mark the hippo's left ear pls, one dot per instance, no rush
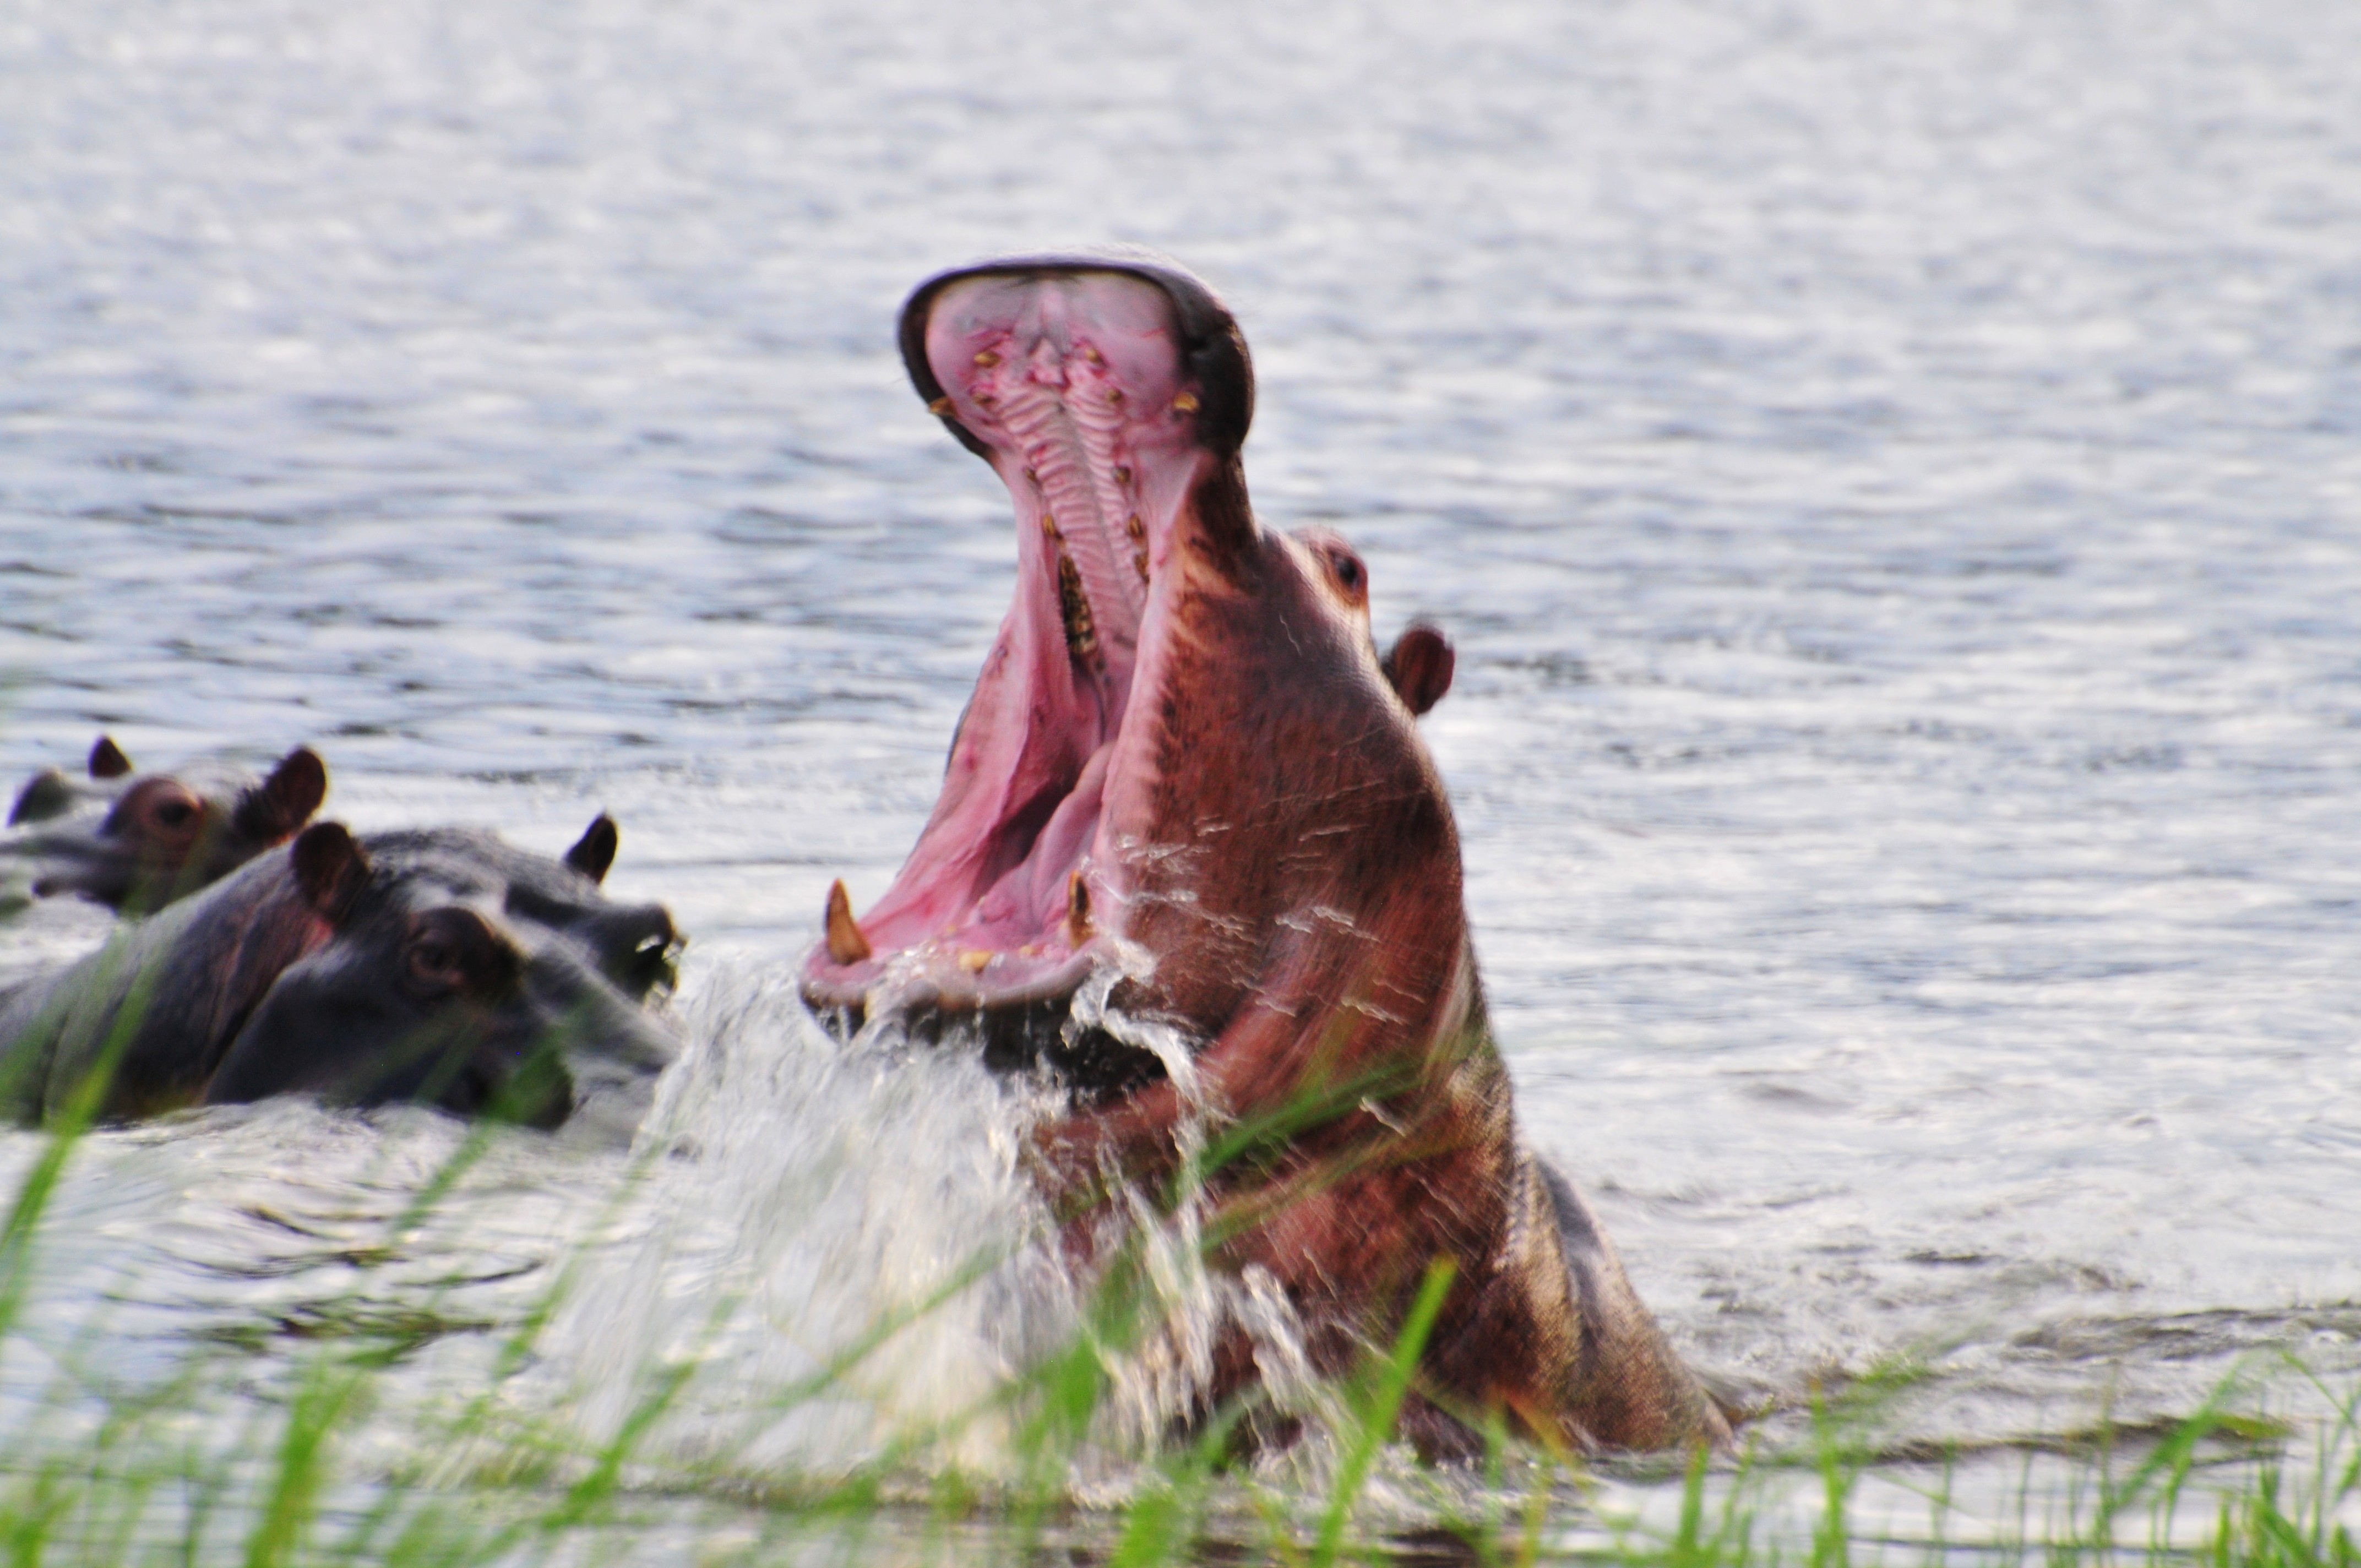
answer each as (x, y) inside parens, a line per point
(1419, 666)
(106, 758)
(272, 810)
(330, 867)
(594, 850)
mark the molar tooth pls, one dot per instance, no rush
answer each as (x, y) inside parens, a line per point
(1123, 474)
(1139, 559)
(846, 945)
(1133, 526)
(1050, 527)
(1185, 403)
(1114, 394)
(1078, 909)
(1092, 354)
(973, 961)
(941, 407)
(1081, 635)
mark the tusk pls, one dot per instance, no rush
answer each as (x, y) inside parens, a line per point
(846, 945)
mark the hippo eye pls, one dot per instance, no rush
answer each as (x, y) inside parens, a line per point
(435, 962)
(1351, 575)
(175, 813)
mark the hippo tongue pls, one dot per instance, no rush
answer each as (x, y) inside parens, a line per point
(1092, 389)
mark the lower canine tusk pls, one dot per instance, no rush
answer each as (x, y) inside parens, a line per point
(846, 945)
(1077, 910)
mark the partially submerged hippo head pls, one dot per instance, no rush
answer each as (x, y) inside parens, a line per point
(1187, 771)
(442, 967)
(53, 793)
(634, 945)
(137, 841)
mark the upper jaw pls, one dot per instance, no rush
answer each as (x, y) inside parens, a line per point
(1103, 393)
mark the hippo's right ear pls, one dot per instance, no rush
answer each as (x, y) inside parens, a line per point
(107, 760)
(1419, 666)
(330, 867)
(594, 850)
(270, 811)
(46, 795)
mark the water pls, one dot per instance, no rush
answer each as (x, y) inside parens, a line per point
(1892, 473)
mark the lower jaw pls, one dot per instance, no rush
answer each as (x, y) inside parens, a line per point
(1015, 1036)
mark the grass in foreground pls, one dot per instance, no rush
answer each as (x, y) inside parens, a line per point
(211, 1464)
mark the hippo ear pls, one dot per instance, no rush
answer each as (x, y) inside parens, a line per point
(272, 810)
(1420, 667)
(46, 795)
(330, 867)
(594, 850)
(107, 760)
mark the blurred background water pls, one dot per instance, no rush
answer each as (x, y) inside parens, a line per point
(1892, 473)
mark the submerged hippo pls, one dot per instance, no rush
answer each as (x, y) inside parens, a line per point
(137, 841)
(1185, 763)
(53, 793)
(441, 967)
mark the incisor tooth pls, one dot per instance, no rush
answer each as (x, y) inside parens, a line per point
(1185, 403)
(846, 945)
(973, 961)
(987, 359)
(941, 407)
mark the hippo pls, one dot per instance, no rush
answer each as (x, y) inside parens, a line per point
(137, 841)
(439, 966)
(51, 793)
(1187, 772)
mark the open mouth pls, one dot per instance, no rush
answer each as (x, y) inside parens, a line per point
(1103, 392)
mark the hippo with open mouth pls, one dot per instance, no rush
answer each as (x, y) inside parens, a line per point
(1186, 771)
(137, 841)
(440, 966)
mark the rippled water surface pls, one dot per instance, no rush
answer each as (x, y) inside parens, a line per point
(1892, 473)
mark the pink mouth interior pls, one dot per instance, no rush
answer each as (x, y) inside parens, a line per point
(1072, 379)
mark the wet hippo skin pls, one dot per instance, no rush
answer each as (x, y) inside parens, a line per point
(137, 841)
(442, 967)
(1186, 762)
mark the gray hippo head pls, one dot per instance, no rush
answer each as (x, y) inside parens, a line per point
(439, 985)
(443, 968)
